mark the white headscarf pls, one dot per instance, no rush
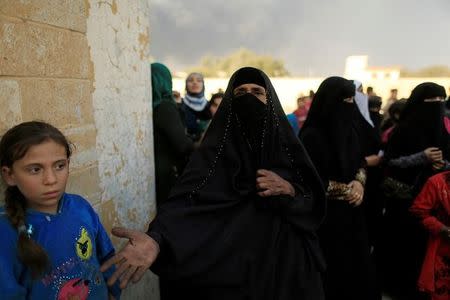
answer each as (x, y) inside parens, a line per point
(362, 101)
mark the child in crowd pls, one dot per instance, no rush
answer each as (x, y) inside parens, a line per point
(53, 243)
(432, 206)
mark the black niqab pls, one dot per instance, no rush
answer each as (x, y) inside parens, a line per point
(421, 124)
(214, 231)
(331, 125)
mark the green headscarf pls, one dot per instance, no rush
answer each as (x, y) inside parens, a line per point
(161, 84)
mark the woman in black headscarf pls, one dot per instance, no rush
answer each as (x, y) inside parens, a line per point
(241, 222)
(417, 149)
(330, 136)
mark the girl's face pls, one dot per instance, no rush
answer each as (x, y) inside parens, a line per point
(194, 84)
(41, 175)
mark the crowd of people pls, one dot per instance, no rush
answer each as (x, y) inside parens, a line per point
(340, 199)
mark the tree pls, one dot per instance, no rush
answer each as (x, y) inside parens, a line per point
(432, 71)
(212, 66)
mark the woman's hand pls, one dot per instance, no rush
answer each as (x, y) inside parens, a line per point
(434, 155)
(134, 259)
(269, 183)
(356, 195)
(373, 160)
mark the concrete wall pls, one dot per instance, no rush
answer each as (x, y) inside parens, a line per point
(82, 65)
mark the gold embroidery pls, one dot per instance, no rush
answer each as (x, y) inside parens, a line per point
(361, 176)
(338, 190)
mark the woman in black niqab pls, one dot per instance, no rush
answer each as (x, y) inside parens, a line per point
(330, 135)
(417, 149)
(221, 234)
(421, 123)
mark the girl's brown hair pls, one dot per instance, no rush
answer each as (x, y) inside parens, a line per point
(13, 146)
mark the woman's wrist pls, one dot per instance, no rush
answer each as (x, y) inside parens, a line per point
(361, 176)
(290, 190)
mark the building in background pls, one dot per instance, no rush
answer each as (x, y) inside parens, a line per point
(357, 67)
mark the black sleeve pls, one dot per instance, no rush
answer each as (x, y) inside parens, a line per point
(205, 114)
(167, 119)
(316, 148)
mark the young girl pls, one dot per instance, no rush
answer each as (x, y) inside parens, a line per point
(432, 206)
(52, 242)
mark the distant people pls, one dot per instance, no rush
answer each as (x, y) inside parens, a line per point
(388, 125)
(391, 100)
(369, 135)
(447, 115)
(362, 102)
(418, 147)
(432, 208)
(298, 117)
(303, 106)
(241, 222)
(214, 102)
(331, 139)
(311, 94)
(292, 119)
(375, 104)
(370, 141)
(172, 146)
(195, 107)
(179, 103)
(370, 91)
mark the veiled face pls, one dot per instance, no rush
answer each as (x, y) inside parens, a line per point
(349, 99)
(251, 88)
(434, 99)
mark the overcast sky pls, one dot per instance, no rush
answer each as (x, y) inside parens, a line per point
(311, 36)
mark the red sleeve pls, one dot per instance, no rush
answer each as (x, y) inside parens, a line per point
(425, 203)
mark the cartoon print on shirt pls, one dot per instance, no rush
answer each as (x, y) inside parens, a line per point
(76, 288)
(84, 245)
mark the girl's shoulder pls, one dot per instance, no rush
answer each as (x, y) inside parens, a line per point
(76, 201)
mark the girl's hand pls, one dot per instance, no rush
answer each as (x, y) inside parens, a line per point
(133, 260)
(434, 154)
(269, 183)
(356, 195)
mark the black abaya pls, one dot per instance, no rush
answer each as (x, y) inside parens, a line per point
(218, 238)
